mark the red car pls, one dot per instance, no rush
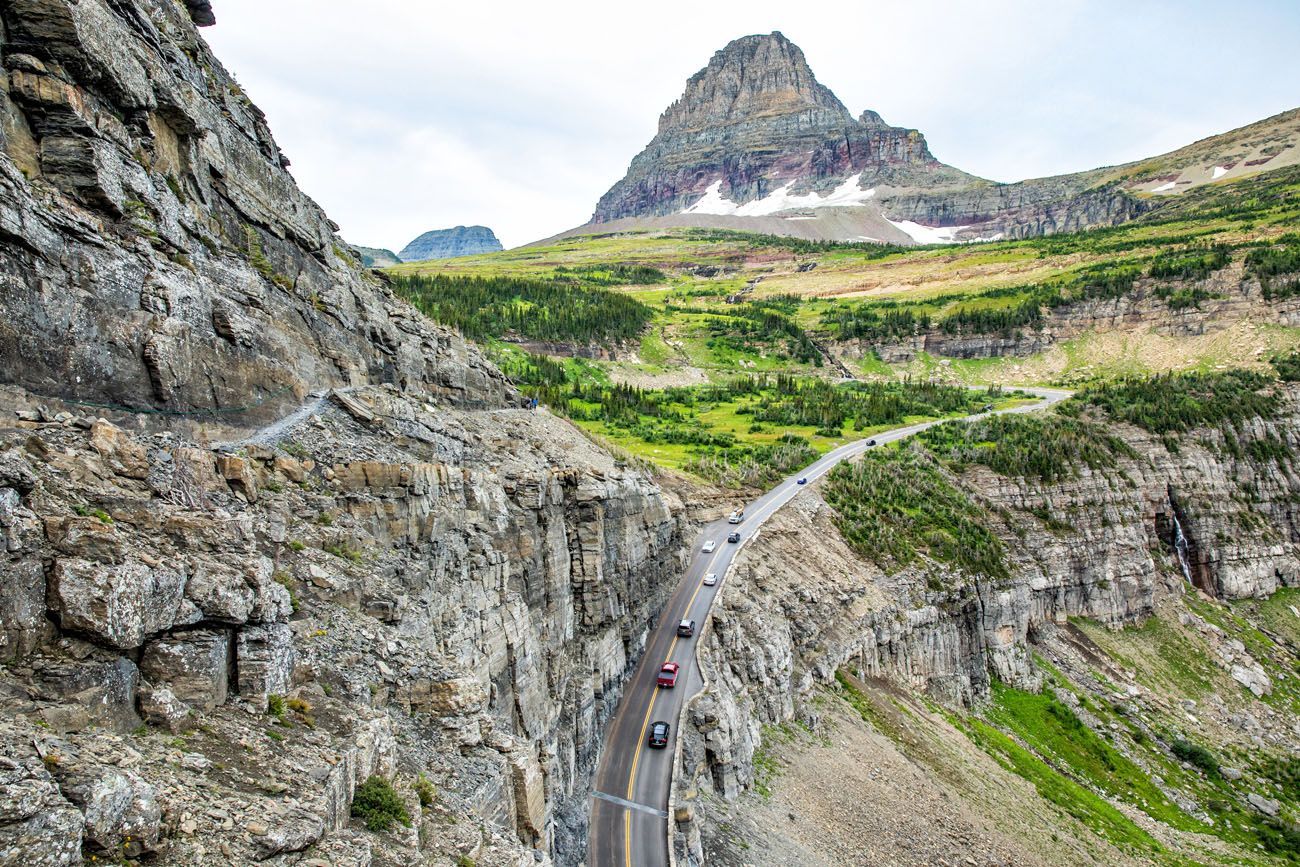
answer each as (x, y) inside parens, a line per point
(668, 675)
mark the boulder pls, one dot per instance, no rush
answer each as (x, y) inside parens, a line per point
(160, 707)
(1265, 806)
(15, 472)
(265, 658)
(291, 833)
(239, 474)
(22, 608)
(120, 605)
(221, 593)
(122, 814)
(194, 665)
(123, 455)
(86, 537)
(19, 526)
(96, 689)
(38, 826)
(1253, 678)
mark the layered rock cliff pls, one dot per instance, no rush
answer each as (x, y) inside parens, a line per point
(449, 243)
(1099, 545)
(409, 584)
(1225, 298)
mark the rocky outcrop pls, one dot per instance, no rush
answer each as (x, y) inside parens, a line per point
(449, 243)
(157, 254)
(469, 587)
(1097, 545)
(1226, 297)
(209, 648)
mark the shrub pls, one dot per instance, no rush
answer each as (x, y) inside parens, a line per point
(275, 706)
(425, 791)
(1195, 755)
(1287, 367)
(1046, 447)
(378, 805)
(283, 579)
(1192, 263)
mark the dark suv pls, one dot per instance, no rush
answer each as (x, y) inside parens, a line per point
(734, 537)
(659, 734)
(686, 628)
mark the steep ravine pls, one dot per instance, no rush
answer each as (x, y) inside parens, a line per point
(1095, 546)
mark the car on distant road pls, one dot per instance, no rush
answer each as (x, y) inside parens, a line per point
(733, 538)
(709, 547)
(658, 734)
(870, 443)
(686, 628)
(803, 480)
(988, 407)
(710, 579)
(736, 517)
(668, 675)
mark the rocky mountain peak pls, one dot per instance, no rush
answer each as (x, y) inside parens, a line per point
(755, 121)
(752, 77)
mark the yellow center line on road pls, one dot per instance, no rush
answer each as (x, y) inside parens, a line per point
(649, 712)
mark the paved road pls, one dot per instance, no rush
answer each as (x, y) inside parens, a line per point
(629, 808)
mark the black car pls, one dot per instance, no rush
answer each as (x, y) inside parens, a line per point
(734, 537)
(802, 481)
(659, 734)
(870, 443)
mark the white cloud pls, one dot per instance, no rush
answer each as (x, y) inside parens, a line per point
(402, 116)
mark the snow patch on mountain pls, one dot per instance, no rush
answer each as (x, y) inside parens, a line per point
(847, 194)
(928, 234)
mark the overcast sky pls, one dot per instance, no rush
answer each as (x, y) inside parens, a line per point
(402, 116)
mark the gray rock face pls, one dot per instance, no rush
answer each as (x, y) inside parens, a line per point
(193, 665)
(449, 243)
(122, 813)
(38, 825)
(159, 254)
(438, 583)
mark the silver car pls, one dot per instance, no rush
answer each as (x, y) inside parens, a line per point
(709, 547)
(710, 579)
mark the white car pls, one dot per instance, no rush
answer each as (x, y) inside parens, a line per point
(709, 547)
(710, 579)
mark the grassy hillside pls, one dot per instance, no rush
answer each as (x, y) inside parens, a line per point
(822, 308)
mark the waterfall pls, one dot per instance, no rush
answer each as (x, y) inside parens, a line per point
(1180, 546)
